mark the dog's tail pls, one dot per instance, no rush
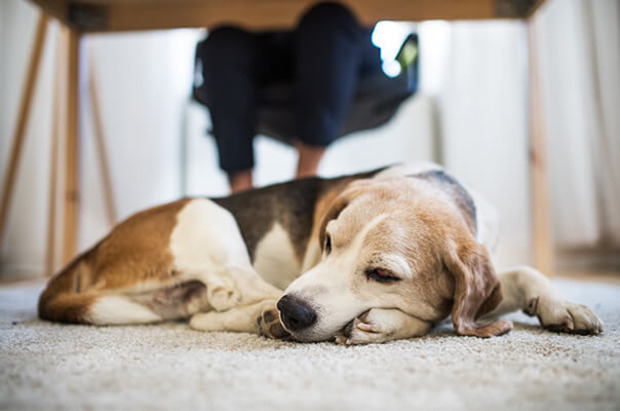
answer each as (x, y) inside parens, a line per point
(63, 300)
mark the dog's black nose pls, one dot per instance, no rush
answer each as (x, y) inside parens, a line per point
(296, 314)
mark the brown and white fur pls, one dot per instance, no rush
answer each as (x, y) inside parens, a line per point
(384, 255)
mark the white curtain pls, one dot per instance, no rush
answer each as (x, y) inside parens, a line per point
(477, 74)
(580, 59)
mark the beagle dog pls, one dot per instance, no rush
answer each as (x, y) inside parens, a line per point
(366, 258)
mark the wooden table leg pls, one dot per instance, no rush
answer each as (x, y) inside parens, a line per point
(104, 166)
(58, 113)
(542, 241)
(71, 198)
(34, 65)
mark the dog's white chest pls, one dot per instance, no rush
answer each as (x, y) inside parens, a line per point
(275, 259)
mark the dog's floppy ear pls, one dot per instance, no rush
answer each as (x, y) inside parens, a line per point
(477, 290)
(335, 208)
(339, 202)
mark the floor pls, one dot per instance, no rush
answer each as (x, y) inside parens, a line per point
(170, 366)
(599, 276)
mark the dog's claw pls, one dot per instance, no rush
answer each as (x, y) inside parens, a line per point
(362, 330)
(343, 337)
(364, 326)
(340, 339)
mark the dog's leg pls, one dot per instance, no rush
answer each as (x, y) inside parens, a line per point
(258, 318)
(208, 246)
(222, 290)
(525, 288)
(119, 310)
(380, 325)
(232, 286)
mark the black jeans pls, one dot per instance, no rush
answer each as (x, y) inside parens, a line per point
(324, 58)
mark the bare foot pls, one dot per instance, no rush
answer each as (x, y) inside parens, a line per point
(309, 159)
(240, 181)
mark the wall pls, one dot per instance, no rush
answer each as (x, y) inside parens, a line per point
(24, 247)
(143, 81)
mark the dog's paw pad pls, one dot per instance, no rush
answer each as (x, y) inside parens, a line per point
(564, 316)
(269, 325)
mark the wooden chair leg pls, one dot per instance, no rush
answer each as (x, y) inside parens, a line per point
(32, 75)
(71, 200)
(56, 126)
(542, 241)
(100, 142)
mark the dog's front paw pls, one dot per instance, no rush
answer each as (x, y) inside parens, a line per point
(269, 323)
(366, 329)
(559, 315)
(222, 297)
(206, 322)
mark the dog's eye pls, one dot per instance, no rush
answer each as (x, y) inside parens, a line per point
(380, 275)
(328, 244)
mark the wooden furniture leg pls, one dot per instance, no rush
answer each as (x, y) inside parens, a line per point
(58, 114)
(34, 64)
(542, 241)
(100, 142)
(71, 200)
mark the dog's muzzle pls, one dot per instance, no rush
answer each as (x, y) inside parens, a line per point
(295, 313)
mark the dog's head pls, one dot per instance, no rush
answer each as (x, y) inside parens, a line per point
(404, 243)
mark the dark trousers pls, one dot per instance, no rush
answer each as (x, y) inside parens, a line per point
(324, 57)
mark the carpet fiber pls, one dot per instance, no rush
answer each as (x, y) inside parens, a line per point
(168, 366)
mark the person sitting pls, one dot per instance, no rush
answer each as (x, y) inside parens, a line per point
(324, 57)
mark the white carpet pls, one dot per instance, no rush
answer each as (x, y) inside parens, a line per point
(51, 366)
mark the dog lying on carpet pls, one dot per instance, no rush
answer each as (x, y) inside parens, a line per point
(384, 255)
